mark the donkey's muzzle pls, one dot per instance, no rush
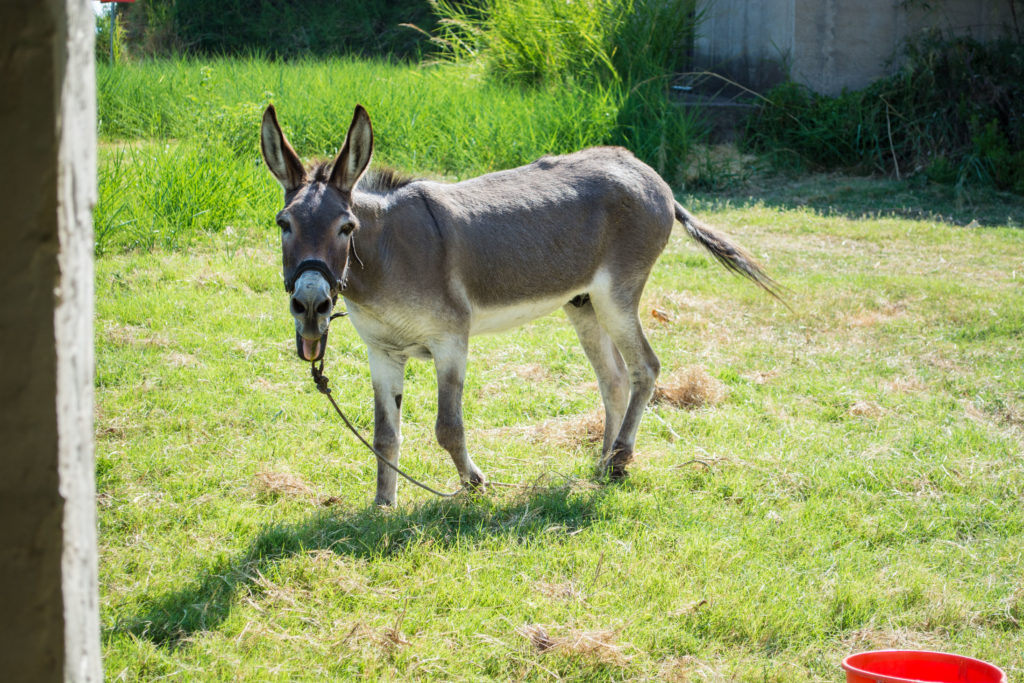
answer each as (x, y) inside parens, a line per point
(312, 304)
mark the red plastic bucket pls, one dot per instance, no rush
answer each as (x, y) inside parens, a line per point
(918, 666)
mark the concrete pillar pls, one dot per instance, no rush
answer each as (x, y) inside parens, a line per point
(48, 585)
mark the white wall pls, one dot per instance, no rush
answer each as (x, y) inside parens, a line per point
(827, 45)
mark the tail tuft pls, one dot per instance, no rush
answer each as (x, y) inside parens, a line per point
(728, 253)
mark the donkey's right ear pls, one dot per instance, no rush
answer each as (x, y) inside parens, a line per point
(281, 159)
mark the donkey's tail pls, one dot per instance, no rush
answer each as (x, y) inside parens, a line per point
(729, 254)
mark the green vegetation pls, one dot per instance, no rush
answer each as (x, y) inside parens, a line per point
(297, 28)
(854, 482)
(629, 49)
(954, 112)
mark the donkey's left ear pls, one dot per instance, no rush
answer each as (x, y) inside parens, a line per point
(355, 153)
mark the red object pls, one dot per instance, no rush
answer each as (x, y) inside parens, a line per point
(918, 666)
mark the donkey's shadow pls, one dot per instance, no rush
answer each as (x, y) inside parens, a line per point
(169, 620)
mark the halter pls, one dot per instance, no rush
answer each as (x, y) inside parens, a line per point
(337, 284)
(318, 265)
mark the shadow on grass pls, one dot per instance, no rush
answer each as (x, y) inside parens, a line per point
(871, 198)
(170, 620)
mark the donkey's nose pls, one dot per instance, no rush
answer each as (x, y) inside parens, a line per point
(311, 305)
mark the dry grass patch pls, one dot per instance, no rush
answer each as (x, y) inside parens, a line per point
(868, 409)
(689, 668)
(177, 359)
(532, 372)
(280, 484)
(135, 335)
(887, 312)
(760, 377)
(905, 385)
(566, 590)
(597, 645)
(888, 639)
(564, 432)
(691, 387)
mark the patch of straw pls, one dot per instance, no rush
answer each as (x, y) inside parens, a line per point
(599, 645)
(690, 387)
(280, 484)
(566, 431)
(866, 409)
(905, 385)
(134, 335)
(888, 639)
(559, 591)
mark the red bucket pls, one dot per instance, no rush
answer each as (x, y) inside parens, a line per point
(918, 666)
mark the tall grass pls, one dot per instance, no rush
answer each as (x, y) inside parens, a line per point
(440, 120)
(283, 29)
(628, 49)
(551, 42)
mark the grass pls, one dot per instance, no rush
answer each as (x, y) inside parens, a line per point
(448, 120)
(851, 480)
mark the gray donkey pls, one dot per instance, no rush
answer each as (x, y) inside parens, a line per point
(424, 265)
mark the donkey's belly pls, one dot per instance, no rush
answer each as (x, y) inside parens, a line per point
(498, 318)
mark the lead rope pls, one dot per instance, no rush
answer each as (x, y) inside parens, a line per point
(321, 384)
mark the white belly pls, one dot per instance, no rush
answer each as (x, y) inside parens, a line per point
(497, 319)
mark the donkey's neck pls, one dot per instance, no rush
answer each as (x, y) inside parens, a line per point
(398, 244)
(371, 248)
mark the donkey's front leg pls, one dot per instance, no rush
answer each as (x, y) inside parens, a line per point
(450, 362)
(387, 373)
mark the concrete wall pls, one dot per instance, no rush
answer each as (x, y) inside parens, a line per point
(827, 45)
(50, 626)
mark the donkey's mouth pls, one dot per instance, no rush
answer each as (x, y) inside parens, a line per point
(310, 350)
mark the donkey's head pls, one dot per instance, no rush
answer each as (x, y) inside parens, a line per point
(316, 224)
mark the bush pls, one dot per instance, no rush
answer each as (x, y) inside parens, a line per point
(954, 112)
(281, 29)
(629, 50)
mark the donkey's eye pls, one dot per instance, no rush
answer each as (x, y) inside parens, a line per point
(346, 228)
(284, 225)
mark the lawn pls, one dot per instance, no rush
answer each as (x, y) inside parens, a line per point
(845, 475)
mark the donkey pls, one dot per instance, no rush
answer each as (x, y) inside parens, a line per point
(424, 265)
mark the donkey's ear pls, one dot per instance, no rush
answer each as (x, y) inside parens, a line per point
(281, 159)
(355, 153)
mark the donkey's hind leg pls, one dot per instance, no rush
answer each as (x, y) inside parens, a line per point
(616, 311)
(608, 365)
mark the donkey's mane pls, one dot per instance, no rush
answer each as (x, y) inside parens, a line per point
(382, 180)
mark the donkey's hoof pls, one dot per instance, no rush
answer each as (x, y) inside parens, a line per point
(477, 482)
(614, 465)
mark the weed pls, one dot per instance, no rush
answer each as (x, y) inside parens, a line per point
(953, 112)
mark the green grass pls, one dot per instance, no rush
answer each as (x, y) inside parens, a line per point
(445, 119)
(859, 486)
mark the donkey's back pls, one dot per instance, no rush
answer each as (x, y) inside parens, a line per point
(548, 229)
